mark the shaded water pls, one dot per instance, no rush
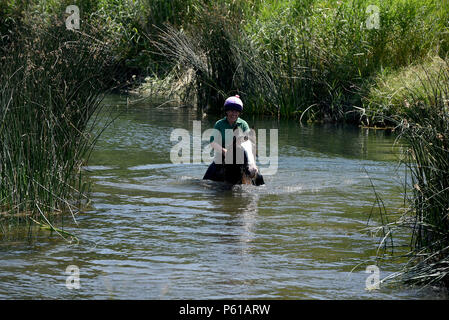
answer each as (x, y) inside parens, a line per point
(156, 230)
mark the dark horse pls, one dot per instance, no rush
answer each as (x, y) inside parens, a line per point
(238, 166)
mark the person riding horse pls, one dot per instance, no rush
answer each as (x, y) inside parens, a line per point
(226, 167)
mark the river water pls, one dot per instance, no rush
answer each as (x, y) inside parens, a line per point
(155, 230)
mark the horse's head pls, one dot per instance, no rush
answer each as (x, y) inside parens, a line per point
(239, 163)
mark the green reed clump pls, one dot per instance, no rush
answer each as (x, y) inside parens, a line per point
(425, 132)
(222, 62)
(52, 81)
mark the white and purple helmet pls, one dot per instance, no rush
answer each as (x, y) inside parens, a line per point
(233, 103)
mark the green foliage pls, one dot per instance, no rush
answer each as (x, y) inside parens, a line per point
(389, 97)
(323, 53)
(219, 55)
(51, 82)
(318, 56)
(424, 129)
(135, 23)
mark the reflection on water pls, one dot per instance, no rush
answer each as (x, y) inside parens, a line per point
(156, 230)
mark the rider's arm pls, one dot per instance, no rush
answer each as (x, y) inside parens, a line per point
(217, 147)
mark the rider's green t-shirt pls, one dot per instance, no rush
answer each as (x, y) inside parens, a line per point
(223, 124)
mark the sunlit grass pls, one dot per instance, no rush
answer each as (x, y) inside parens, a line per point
(391, 95)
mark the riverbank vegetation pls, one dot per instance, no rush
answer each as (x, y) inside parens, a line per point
(317, 60)
(52, 81)
(424, 130)
(369, 62)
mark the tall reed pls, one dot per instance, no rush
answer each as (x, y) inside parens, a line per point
(52, 81)
(324, 54)
(425, 133)
(223, 63)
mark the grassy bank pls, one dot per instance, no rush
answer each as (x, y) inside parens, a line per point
(389, 98)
